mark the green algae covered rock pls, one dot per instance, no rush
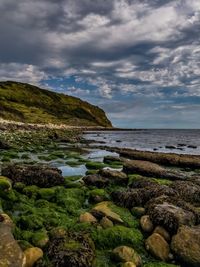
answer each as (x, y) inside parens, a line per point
(5, 184)
(40, 239)
(47, 193)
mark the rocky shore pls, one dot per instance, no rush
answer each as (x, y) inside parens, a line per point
(131, 209)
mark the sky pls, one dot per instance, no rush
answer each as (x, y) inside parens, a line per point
(139, 60)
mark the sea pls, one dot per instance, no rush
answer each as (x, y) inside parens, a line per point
(160, 140)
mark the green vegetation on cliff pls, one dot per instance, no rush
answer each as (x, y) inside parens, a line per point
(28, 103)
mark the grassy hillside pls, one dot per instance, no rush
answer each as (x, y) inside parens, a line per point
(27, 103)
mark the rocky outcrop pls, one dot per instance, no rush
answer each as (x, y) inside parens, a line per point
(72, 250)
(115, 177)
(170, 216)
(149, 169)
(39, 175)
(96, 180)
(186, 245)
(11, 254)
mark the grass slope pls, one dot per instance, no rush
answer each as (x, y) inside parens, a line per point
(28, 103)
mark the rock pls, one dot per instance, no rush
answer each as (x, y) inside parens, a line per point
(95, 180)
(116, 177)
(128, 264)
(71, 250)
(149, 169)
(87, 217)
(186, 245)
(32, 256)
(11, 254)
(161, 231)
(124, 254)
(39, 175)
(167, 159)
(138, 197)
(138, 211)
(40, 239)
(191, 146)
(170, 147)
(5, 184)
(106, 223)
(146, 224)
(187, 190)
(111, 159)
(157, 246)
(103, 210)
(170, 216)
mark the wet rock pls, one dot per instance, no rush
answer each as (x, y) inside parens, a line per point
(11, 254)
(5, 184)
(42, 176)
(186, 245)
(111, 159)
(126, 254)
(187, 190)
(161, 231)
(170, 216)
(96, 180)
(72, 250)
(149, 169)
(191, 146)
(167, 159)
(106, 223)
(32, 256)
(115, 177)
(87, 217)
(146, 224)
(103, 210)
(158, 247)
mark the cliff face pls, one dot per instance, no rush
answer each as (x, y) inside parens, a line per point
(28, 103)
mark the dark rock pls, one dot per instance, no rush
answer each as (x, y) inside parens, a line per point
(115, 177)
(39, 175)
(96, 180)
(187, 190)
(170, 216)
(111, 159)
(186, 246)
(194, 147)
(72, 250)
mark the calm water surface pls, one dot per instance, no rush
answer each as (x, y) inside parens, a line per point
(150, 140)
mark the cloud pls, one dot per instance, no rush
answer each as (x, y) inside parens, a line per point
(114, 50)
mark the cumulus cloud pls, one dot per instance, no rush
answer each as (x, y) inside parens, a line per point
(118, 49)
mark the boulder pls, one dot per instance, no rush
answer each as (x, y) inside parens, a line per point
(39, 175)
(187, 190)
(103, 210)
(96, 180)
(161, 231)
(11, 254)
(186, 245)
(115, 177)
(146, 224)
(5, 184)
(4, 145)
(170, 216)
(158, 247)
(32, 256)
(71, 250)
(106, 223)
(149, 169)
(126, 254)
(87, 217)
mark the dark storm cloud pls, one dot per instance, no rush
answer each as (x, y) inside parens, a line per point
(126, 49)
